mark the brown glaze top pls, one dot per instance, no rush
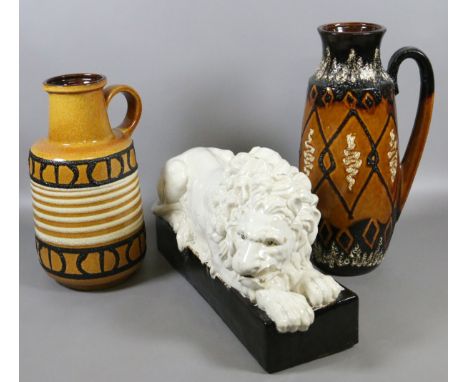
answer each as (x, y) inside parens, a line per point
(74, 83)
(352, 27)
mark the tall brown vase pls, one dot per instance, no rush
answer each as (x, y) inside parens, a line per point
(349, 145)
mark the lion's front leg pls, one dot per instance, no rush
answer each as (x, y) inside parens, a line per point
(319, 289)
(288, 310)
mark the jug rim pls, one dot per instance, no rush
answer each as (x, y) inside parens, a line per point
(74, 82)
(351, 28)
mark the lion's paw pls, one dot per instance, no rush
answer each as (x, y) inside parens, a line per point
(288, 310)
(320, 289)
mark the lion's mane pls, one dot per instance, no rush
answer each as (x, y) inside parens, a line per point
(261, 180)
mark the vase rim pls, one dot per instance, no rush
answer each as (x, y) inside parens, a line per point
(74, 82)
(351, 28)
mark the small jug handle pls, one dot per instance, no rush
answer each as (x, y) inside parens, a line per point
(417, 140)
(133, 106)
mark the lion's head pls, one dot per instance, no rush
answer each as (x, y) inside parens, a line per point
(266, 215)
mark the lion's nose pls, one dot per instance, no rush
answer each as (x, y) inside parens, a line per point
(248, 272)
(243, 268)
(245, 261)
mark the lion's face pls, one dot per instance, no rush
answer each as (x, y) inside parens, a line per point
(265, 218)
(262, 243)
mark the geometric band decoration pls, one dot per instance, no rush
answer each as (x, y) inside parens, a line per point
(74, 263)
(83, 173)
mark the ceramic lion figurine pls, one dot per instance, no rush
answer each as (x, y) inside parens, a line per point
(252, 219)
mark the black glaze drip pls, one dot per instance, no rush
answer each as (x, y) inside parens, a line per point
(351, 65)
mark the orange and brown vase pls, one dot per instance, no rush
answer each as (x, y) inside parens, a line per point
(349, 145)
(88, 217)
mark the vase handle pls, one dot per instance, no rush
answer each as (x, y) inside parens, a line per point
(134, 107)
(417, 140)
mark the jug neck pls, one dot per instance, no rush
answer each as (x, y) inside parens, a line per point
(351, 53)
(339, 39)
(77, 109)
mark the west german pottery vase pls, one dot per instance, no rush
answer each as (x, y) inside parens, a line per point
(88, 217)
(349, 145)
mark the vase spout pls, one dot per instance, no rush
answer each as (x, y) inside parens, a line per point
(363, 39)
(351, 55)
(77, 109)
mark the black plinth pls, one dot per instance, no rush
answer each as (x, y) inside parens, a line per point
(335, 327)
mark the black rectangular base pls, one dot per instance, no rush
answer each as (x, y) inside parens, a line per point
(334, 329)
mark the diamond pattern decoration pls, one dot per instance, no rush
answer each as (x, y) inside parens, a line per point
(368, 101)
(326, 162)
(362, 244)
(345, 240)
(372, 159)
(327, 170)
(370, 233)
(350, 100)
(325, 232)
(328, 97)
(313, 95)
(313, 92)
(334, 114)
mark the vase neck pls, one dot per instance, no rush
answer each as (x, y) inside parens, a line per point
(351, 54)
(77, 109)
(342, 40)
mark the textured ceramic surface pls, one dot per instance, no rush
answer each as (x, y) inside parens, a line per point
(252, 219)
(350, 149)
(88, 215)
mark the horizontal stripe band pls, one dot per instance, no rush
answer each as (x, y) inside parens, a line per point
(94, 240)
(87, 218)
(88, 209)
(89, 200)
(91, 228)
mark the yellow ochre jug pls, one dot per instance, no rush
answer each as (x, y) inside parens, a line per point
(88, 217)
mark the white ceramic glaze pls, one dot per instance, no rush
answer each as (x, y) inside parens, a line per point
(252, 219)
